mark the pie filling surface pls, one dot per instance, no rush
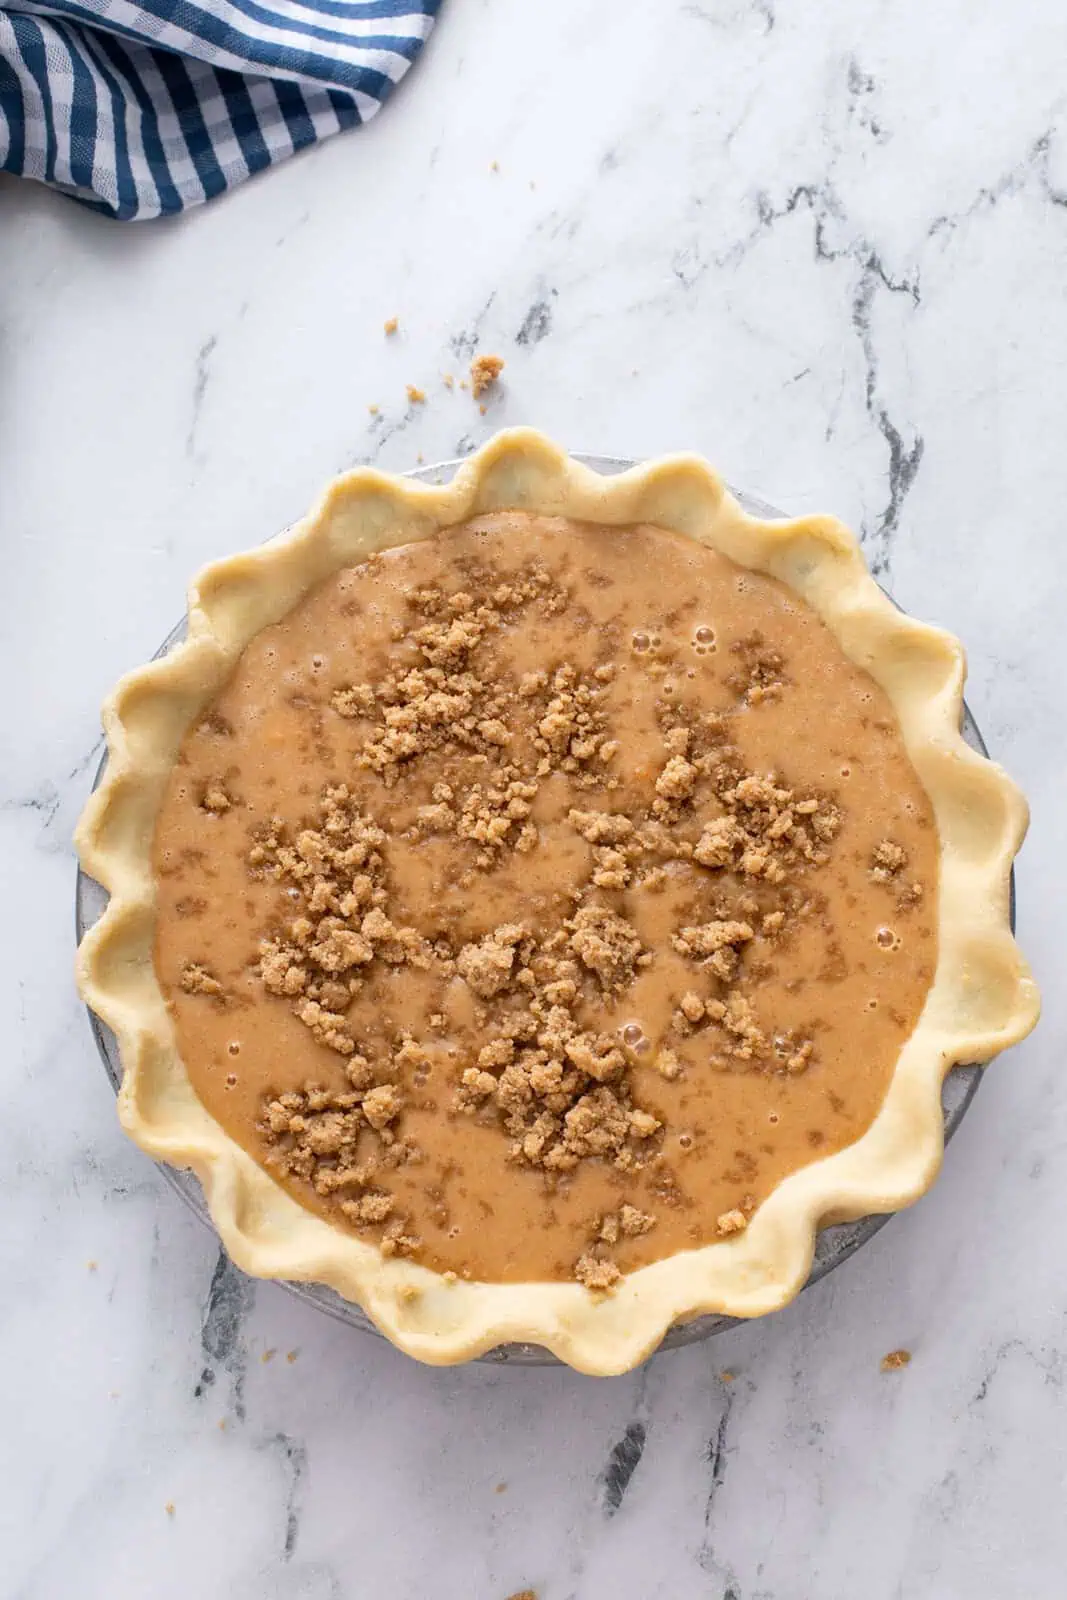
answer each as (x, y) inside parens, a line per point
(534, 898)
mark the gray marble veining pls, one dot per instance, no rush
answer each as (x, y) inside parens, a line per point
(825, 246)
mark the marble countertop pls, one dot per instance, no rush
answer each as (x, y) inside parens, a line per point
(825, 245)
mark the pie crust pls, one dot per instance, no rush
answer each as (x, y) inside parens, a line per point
(982, 998)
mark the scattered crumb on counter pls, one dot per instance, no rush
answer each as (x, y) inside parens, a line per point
(169, 1508)
(415, 395)
(291, 1356)
(391, 325)
(895, 1360)
(374, 410)
(91, 1266)
(727, 1377)
(485, 370)
(448, 380)
(268, 1355)
(494, 166)
(500, 1488)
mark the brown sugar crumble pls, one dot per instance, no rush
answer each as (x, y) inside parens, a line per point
(416, 396)
(198, 980)
(600, 1275)
(761, 670)
(215, 798)
(574, 1014)
(485, 370)
(888, 864)
(887, 860)
(895, 1360)
(731, 1222)
(390, 325)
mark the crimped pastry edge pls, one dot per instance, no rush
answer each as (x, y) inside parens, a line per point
(982, 999)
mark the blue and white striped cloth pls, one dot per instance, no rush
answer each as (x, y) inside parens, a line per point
(141, 110)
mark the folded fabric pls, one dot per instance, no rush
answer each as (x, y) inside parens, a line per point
(140, 110)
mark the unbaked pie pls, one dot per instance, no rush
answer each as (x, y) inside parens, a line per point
(539, 902)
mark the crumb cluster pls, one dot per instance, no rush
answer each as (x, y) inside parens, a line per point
(889, 863)
(197, 979)
(760, 673)
(336, 874)
(345, 1144)
(216, 798)
(444, 704)
(485, 370)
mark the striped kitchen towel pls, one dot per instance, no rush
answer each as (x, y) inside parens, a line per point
(142, 109)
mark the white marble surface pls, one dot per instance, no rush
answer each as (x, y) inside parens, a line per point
(825, 244)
